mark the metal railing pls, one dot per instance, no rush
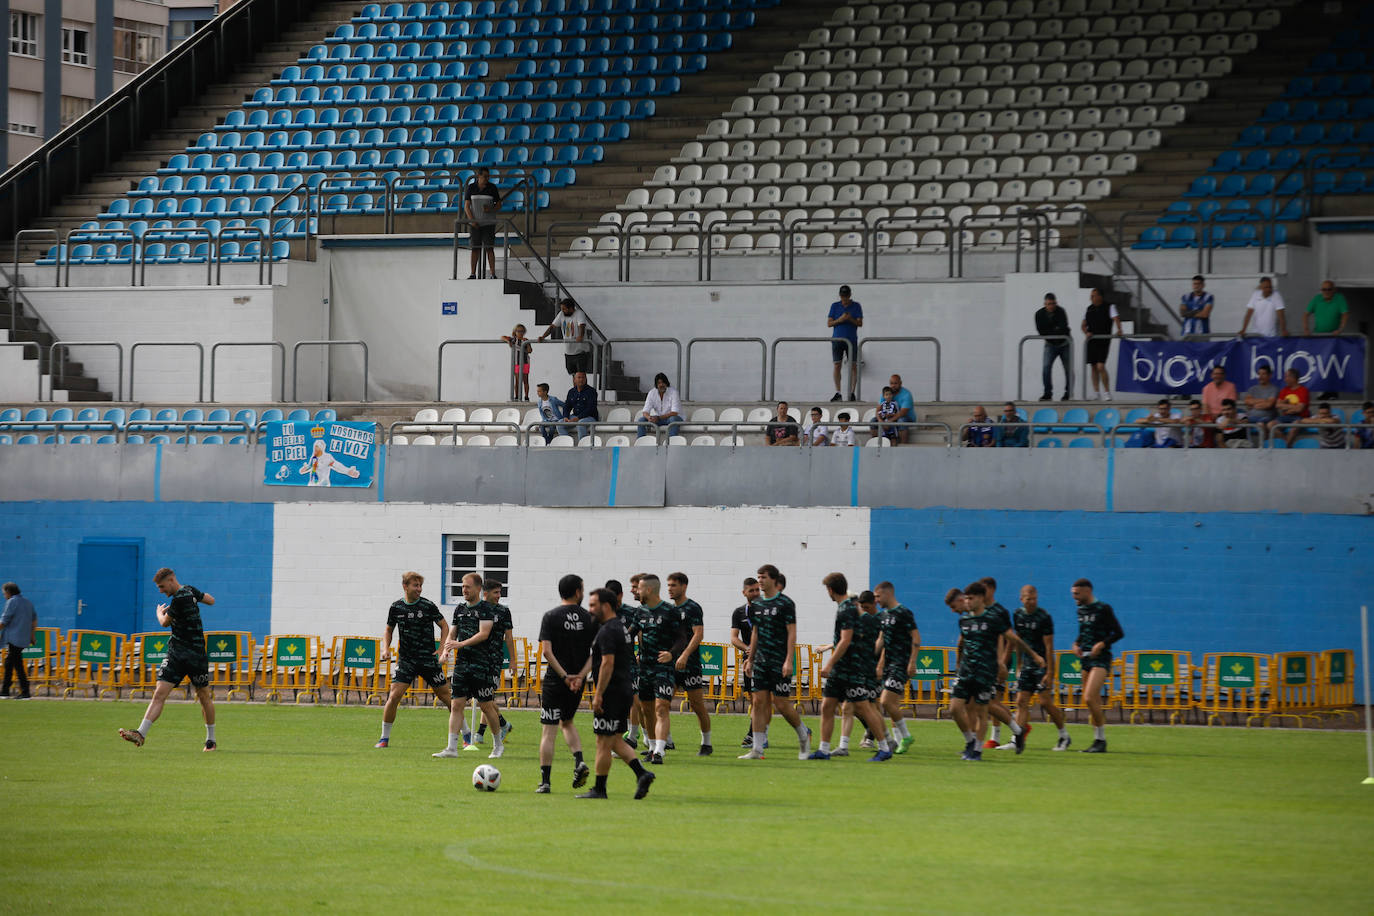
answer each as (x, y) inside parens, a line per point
(57, 359)
(200, 362)
(708, 242)
(933, 340)
(274, 344)
(410, 428)
(850, 350)
(674, 229)
(763, 362)
(1021, 361)
(328, 345)
(790, 243)
(1121, 266)
(677, 346)
(56, 257)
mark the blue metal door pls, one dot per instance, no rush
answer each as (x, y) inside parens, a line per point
(107, 586)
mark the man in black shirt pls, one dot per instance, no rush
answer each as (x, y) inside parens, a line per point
(565, 641)
(186, 656)
(1052, 321)
(687, 655)
(480, 201)
(503, 646)
(611, 700)
(1098, 629)
(741, 629)
(416, 618)
(782, 431)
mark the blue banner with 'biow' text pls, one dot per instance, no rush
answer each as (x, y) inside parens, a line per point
(1184, 367)
(316, 453)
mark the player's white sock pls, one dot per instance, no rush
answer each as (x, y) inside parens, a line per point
(802, 731)
(970, 737)
(452, 741)
(1015, 730)
(143, 729)
(759, 739)
(634, 732)
(844, 742)
(706, 739)
(1099, 733)
(901, 730)
(497, 742)
(997, 733)
(209, 733)
(1063, 732)
(825, 747)
(386, 729)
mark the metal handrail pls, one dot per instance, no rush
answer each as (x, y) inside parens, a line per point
(188, 427)
(710, 230)
(57, 257)
(858, 390)
(850, 349)
(407, 428)
(296, 363)
(233, 234)
(1021, 360)
(673, 228)
(789, 242)
(763, 363)
(275, 344)
(1259, 428)
(1015, 219)
(1142, 282)
(200, 368)
(198, 232)
(677, 345)
(912, 221)
(614, 229)
(63, 345)
(37, 360)
(102, 235)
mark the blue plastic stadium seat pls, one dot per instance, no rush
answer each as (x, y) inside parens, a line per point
(1229, 161)
(1049, 443)
(1150, 239)
(298, 415)
(1241, 236)
(1181, 237)
(1202, 186)
(1082, 442)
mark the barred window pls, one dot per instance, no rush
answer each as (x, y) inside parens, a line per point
(485, 554)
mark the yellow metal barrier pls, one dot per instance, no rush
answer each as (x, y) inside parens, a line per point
(806, 675)
(929, 686)
(1238, 684)
(1336, 677)
(1297, 694)
(43, 659)
(230, 653)
(291, 662)
(92, 659)
(1157, 680)
(143, 652)
(357, 665)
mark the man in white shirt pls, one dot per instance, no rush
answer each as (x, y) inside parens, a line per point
(572, 327)
(844, 435)
(1167, 434)
(1266, 307)
(661, 408)
(815, 431)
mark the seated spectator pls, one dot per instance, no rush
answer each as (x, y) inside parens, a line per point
(1233, 429)
(550, 408)
(661, 408)
(1216, 391)
(1007, 434)
(1203, 436)
(580, 405)
(888, 410)
(1168, 435)
(844, 435)
(1293, 404)
(815, 432)
(782, 431)
(520, 360)
(1364, 438)
(978, 432)
(906, 406)
(1330, 432)
(1260, 399)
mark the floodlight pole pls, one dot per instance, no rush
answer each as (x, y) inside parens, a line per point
(1368, 733)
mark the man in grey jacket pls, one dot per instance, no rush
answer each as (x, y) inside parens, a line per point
(18, 623)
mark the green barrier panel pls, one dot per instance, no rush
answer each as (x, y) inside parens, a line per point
(1236, 671)
(154, 649)
(94, 648)
(1070, 669)
(1156, 669)
(712, 660)
(360, 653)
(39, 649)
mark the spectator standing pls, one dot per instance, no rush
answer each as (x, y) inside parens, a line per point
(1196, 308)
(1261, 398)
(1266, 309)
(887, 410)
(1098, 322)
(906, 406)
(815, 432)
(520, 360)
(550, 408)
(1327, 312)
(844, 433)
(662, 407)
(480, 201)
(782, 431)
(18, 625)
(1008, 433)
(845, 319)
(1330, 432)
(580, 405)
(572, 327)
(1053, 321)
(1199, 434)
(978, 431)
(1167, 435)
(1292, 406)
(1216, 391)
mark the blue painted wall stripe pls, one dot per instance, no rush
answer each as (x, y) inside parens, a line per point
(854, 478)
(381, 474)
(1108, 498)
(615, 474)
(157, 473)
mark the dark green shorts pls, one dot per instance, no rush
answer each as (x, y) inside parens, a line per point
(178, 666)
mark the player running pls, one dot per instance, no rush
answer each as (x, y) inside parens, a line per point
(847, 671)
(741, 629)
(901, 640)
(565, 640)
(416, 618)
(470, 642)
(186, 656)
(1036, 628)
(771, 649)
(686, 655)
(612, 696)
(1097, 630)
(978, 640)
(502, 642)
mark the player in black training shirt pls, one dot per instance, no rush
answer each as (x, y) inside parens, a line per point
(772, 651)
(503, 646)
(996, 708)
(612, 698)
(471, 642)
(687, 656)
(565, 640)
(741, 629)
(1036, 629)
(1097, 630)
(186, 657)
(849, 669)
(416, 618)
(978, 640)
(629, 614)
(658, 628)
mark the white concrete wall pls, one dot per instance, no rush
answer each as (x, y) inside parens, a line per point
(337, 567)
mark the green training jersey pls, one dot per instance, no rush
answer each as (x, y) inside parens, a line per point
(188, 634)
(467, 621)
(658, 626)
(416, 623)
(771, 617)
(1097, 623)
(1033, 627)
(897, 624)
(847, 621)
(978, 660)
(500, 626)
(864, 649)
(690, 616)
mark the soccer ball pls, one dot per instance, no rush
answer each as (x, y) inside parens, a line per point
(486, 778)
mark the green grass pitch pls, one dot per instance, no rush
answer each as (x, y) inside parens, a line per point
(298, 813)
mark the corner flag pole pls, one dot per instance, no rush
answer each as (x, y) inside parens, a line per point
(1368, 725)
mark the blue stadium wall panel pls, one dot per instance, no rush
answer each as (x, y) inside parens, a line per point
(222, 548)
(1202, 582)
